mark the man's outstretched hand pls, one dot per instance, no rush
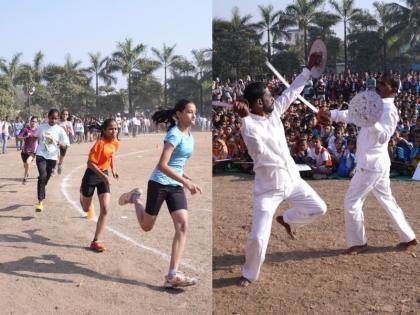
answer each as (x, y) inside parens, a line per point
(241, 108)
(315, 60)
(324, 116)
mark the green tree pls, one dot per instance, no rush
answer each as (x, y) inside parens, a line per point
(346, 11)
(166, 59)
(267, 24)
(11, 70)
(127, 60)
(203, 65)
(98, 70)
(405, 26)
(303, 12)
(383, 28)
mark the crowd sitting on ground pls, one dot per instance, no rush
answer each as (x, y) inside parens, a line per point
(321, 150)
(86, 129)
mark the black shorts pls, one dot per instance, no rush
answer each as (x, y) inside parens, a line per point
(90, 181)
(157, 193)
(25, 156)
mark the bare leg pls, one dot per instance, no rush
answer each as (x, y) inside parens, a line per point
(180, 220)
(104, 200)
(85, 202)
(145, 220)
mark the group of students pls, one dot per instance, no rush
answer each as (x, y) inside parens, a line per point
(48, 143)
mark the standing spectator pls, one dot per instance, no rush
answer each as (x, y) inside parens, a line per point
(17, 127)
(6, 130)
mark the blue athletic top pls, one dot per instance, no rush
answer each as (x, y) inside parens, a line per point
(183, 148)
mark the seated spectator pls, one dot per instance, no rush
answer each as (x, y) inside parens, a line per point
(322, 159)
(220, 150)
(337, 152)
(347, 166)
(404, 147)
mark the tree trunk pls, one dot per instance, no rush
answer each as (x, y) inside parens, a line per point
(130, 107)
(97, 89)
(201, 99)
(345, 45)
(165, 87)
(384, 55)
(305, 37)
(269, 44)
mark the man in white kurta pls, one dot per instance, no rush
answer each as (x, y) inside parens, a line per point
(372, 172)
(276, 176)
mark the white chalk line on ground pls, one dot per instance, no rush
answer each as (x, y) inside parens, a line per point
(65, 184)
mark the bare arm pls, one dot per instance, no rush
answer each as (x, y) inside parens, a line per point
(163, 166)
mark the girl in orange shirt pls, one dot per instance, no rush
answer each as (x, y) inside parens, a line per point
(101, 158)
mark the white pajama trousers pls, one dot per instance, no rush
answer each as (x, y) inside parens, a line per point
(307, 206)
(362, 183)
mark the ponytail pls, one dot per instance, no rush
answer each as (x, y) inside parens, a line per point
(167, 116)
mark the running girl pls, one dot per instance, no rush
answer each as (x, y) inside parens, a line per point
(50, 137)
(28, 135)
(100, 160)
(166, 184)
(68, 128)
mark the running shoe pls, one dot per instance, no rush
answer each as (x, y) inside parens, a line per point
(39, 207)
(126, 197)
(59, 169)
(179, 280)
(97, 247)
(53, 172)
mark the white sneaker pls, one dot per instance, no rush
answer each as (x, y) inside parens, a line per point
(126, 197)
(179, 280)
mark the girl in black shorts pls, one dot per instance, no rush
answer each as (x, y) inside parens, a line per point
(100, 160)
(167, 184)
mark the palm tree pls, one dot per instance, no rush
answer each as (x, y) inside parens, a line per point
(303, 12)
(11, 70)
(99, 70)
(325, 21)
(405, 24)
(31, 73)
(363, 20)
(383, 26)
(127, 59)
(166, 58)
(203, 65)
(346, 11)
(268, 24)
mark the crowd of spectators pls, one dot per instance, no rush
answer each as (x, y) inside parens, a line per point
(322, 150)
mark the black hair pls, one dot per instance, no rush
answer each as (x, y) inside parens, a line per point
(105, 125)
(34, 117)
(393, 81)
(253, 92)
(62, 112)
(52, 111)
(167, 115)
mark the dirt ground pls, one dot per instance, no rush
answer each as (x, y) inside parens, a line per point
(45, 267)
(310, 275)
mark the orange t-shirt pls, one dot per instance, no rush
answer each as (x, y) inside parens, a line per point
(101, 153)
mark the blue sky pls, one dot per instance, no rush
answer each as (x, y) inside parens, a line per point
(58, 27)
(223, 8)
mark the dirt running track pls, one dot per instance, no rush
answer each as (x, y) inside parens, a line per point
(309, 275)
(45, 267)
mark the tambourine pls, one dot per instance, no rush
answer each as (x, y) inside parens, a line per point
(318, 46)
(365, 109)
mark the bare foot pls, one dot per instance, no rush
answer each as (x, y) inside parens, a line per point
(358, 249)
(243, 282)
(407, 245)
(289, 231)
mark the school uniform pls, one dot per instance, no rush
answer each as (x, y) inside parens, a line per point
(372, 175)
(276, 178)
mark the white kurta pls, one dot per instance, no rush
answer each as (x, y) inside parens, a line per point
(276, 178)
(372, 175)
